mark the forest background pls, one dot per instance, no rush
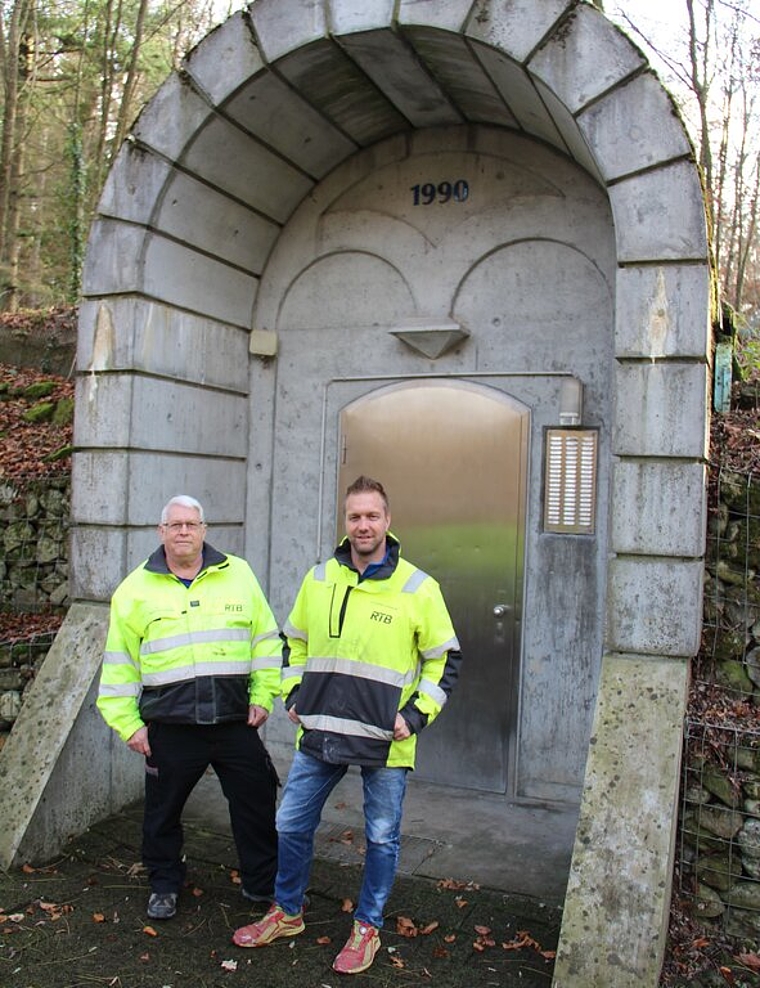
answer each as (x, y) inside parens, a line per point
(76, 73)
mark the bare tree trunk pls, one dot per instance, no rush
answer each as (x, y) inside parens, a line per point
(10, 47)
(749, 241)
(720, 189)
(126, 110)
(11, 226)
(699, 65)
(110, 29)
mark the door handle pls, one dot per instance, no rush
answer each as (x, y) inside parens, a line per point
(501, 610)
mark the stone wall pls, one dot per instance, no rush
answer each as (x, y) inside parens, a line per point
(34, 534)
(34, 527)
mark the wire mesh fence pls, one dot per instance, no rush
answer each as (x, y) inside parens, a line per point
(719, 834)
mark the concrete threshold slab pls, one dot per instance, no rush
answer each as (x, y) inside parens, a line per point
(447, 833)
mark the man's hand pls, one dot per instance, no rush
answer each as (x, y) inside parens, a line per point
(139, 742)
(401, 729)
(293, 715)
(256, 715)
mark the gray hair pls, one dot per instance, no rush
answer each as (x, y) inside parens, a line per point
(186, 501)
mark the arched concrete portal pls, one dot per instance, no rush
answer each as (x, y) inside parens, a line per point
(270, 105)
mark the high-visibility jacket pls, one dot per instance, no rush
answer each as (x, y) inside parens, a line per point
(188, 655)
(360, 650)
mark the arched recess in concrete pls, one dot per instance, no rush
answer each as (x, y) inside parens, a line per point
(263, 110)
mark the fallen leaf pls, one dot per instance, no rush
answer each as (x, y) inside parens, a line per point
(459, 902)
(144, 958)
(98, 918)
(235, 878)
(517, 943)
(229, 965)
(450, 937)
(483, 930)
(150, 931)
(478, 946)
(27, 869)
(197, 892)
(398, 962)
(751, 961)
(347, 906)
(449, 883)
(405, 927)
(425, 930)
(440, 952)
(523, 939)
(323, 940)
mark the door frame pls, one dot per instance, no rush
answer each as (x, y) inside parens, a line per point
(339, 392)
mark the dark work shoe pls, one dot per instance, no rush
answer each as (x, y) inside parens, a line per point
(265, 900)
(162, 905)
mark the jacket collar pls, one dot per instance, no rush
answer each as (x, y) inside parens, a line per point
(156, 562)
(379, 572)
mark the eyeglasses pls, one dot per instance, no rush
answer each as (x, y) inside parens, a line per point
(191, 526)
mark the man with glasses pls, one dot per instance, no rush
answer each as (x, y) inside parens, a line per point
(190, 672)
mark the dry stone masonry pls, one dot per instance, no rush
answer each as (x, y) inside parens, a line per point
(34, 537)
(33, 581)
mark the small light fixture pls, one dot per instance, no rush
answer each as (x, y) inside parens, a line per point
(262, 343)
(570, 401)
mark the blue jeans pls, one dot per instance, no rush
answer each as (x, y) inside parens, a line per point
(310, 782)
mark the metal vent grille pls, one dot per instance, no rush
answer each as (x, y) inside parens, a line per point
(570, 481)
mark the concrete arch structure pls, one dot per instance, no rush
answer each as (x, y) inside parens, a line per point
(182, 309)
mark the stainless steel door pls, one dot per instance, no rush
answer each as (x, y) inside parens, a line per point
(452, 456)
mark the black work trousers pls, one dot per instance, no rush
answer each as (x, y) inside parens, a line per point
(180, 754)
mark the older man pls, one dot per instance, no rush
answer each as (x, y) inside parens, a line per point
(191, 670)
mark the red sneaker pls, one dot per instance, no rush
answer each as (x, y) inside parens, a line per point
(359, 951)
(272, 926)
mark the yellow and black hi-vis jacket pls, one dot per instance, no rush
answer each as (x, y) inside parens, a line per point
(361, 650)
(188, 655)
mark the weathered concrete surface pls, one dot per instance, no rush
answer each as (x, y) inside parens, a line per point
(618, 897)
(654, 605)
(62, 768)
(638, 486)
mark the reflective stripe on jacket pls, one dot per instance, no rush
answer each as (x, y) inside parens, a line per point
(361, 650)
(190, 655)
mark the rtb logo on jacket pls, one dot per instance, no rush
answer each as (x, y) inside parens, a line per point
(381, 617)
